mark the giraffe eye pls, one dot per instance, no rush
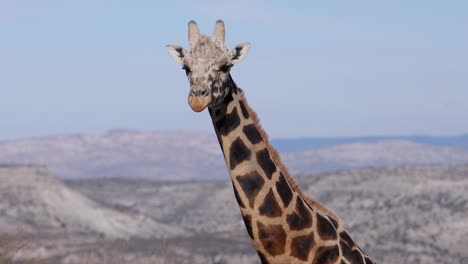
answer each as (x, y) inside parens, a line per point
(187, 69)
(225, 68)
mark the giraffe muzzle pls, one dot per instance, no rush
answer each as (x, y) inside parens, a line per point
(199, 102)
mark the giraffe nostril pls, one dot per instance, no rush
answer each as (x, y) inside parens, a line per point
(200, 92)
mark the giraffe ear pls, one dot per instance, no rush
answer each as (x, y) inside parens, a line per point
(177, 53)
(239, 52)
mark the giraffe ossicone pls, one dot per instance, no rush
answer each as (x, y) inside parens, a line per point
(284, 225)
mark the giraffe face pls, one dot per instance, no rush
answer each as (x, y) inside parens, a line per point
(207, 64)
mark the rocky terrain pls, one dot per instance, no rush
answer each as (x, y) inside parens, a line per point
(409, 214)
(183, 155)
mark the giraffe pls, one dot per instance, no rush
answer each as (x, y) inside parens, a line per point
(284, 225)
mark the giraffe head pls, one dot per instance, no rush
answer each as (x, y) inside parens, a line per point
(207, 64)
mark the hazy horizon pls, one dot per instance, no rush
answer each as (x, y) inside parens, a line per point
(119, 129)
(329, 69)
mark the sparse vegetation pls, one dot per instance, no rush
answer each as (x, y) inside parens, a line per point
(399, 215)
(10, 247)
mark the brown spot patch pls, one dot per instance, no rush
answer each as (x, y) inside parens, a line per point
(245, 113)
(248, 224)
(326, 255)
(270, 206)
(301, 246)
(262, 257)
(228, 123)
(369, 261)
(272, 237)
(333, 221)
(300, 218)
(349, 249)
(252, 134)
(353, 256)
(217, 113)
(251, 183)
(238, 199)
(326, 230)
(358, 257)
(238, 153)
(347, 239)
(284, 190)
(264, 160)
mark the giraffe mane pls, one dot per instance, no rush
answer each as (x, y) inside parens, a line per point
(277, 159)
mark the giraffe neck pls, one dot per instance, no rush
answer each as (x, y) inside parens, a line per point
(284, 225)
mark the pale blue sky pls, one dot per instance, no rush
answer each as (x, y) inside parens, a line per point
(316, 68)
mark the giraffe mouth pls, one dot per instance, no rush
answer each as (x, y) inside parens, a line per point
(199, 103)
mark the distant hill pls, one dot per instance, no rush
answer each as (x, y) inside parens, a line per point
(384, 153)
(300, 144)
(173, 155)
(183, 155)
(33, 199)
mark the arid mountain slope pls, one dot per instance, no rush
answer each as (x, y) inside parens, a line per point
(33, 200)
(197, 156)
(399, 215)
